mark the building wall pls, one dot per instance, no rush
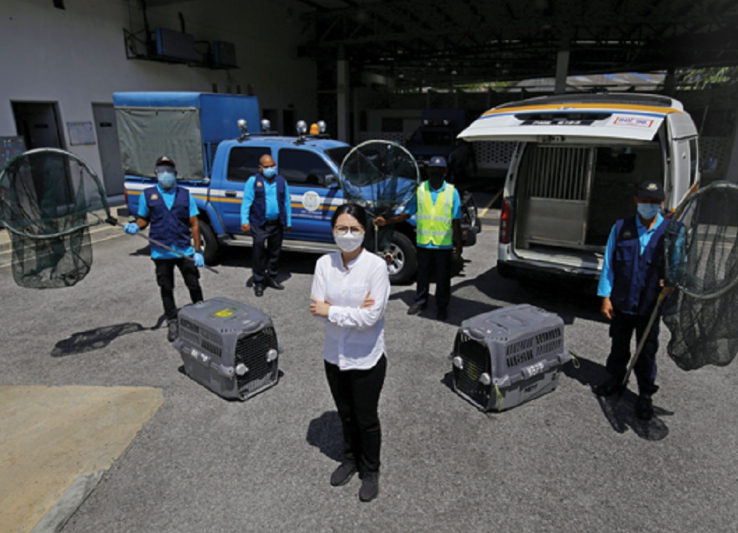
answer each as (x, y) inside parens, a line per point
(76, 57)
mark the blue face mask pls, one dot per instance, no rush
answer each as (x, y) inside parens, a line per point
(166, 179)
(648, 211)
(270, 172)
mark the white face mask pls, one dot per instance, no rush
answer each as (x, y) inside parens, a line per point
(349, 242)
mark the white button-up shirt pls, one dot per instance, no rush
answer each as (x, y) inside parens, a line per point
(354, 337)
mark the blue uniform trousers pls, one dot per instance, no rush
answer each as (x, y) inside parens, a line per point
(621, 331)
(165, 280)
(267, 247)
(428, 258)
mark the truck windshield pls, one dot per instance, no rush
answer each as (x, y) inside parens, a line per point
(337, 155)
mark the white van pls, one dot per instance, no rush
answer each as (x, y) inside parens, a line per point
(575, 171)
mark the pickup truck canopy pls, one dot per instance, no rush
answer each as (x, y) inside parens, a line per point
(184, 126)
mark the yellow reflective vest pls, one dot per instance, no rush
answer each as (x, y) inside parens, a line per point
(435, 221)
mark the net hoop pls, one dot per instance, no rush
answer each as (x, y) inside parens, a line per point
(677, 216)
(358, 149)
(77, 159)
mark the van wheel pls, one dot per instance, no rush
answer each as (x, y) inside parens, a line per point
(402, 261)
(209, 243)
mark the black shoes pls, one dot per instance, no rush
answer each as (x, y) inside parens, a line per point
(644, 407)
(442, 315)
(416, 309)
(258, 290)
(369, 487)
(609, 387)
(274, 284)
(343, 473)
(369, 484)
(173, 329)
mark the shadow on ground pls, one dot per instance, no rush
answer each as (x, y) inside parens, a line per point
(98, 338)
(619, 410)
(325, 433)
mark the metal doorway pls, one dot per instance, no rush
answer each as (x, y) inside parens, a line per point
(38, 124)
(107, 143)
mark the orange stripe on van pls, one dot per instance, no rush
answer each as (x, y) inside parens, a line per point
(603, 107)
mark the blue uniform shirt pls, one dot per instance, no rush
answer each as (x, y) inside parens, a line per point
(412, 208)
(272, 204)
(168, 197)
(604, 289)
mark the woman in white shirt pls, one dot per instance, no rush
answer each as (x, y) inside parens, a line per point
(350, 292)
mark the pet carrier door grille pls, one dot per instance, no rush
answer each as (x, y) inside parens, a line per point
(476, 361)
(251, 351)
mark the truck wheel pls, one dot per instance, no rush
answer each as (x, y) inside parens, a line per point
(209, 243)
(403, 261)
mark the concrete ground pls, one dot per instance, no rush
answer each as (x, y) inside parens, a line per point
(564, 462)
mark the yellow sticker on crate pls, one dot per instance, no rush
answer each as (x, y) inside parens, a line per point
(224, 313)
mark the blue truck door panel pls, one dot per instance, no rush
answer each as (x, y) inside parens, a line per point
(242, 163)
(313, 203)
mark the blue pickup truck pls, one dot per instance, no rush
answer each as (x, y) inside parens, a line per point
(215, 158)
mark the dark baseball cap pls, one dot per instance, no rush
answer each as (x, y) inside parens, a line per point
(437, 161)
(651, 189)
(164, 160)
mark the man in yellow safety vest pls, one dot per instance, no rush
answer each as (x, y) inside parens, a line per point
(437, 207)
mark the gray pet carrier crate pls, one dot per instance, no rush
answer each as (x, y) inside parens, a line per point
(228, 347)
(508, 356)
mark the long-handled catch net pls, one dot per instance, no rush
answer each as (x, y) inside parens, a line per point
(701, 252)
(382, 176)
(49, 198)
(701, 247)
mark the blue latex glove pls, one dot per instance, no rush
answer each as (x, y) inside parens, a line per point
(131, 228)
(199, 260)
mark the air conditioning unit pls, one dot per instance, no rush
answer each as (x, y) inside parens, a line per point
(224, 54)
(228, 347)
(508, 356)
(172, 44)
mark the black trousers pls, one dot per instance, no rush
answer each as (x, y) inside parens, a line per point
(356, 394)
(427, 260)
(267, 247)
(165, 280)
(621, 331)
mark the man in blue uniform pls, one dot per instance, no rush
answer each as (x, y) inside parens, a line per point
(266, 213)
(632, 278)
(172, 213)
(437, 207)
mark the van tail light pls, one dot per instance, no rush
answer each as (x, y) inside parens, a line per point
(506, 222)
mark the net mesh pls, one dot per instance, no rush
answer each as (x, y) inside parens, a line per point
(382, 176)
(48, 200)
(702, 263)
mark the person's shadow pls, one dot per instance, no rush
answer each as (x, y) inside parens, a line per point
(98, 338)
(619, 410)
(326, 434)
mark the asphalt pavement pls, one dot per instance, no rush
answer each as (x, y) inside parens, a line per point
(563, 462)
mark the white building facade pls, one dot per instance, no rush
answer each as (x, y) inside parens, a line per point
(62, 60)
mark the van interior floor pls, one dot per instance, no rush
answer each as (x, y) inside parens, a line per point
(559, 255)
